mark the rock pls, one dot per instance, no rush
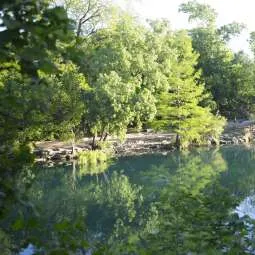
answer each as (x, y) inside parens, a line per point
(235, 140)
(39, 153)
(213, 141)
(63, 152)
(68, 157)
(51, 152)
(56, 157)
(78, 149)
(240, 140)
(248, 136)
(50, 164)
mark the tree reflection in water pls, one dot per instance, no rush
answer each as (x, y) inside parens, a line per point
(183, 203)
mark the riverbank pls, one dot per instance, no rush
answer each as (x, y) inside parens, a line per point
(135, 143)
(141, 143)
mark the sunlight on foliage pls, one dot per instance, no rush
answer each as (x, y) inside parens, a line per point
(93, 162)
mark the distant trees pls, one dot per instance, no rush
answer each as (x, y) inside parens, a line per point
(87, 15)
(220, 67)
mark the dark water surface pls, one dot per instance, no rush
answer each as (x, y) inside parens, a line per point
(198, 202)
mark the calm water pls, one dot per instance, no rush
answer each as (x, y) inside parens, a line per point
(199, 202)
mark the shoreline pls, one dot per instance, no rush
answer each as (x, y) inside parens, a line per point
(140, 143)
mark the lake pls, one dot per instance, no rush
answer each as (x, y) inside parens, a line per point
(196, 202)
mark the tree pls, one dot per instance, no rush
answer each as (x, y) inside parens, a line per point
(41, 92)
(29, 33)
(242, 90)
(252, 42)
(88, 15)
(227, 32)
(204, 14)
(38, 109)
(110, 106)
(124, 76)
(217, 61)
(178, 107)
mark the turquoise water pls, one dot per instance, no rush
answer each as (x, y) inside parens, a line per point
(198, 202)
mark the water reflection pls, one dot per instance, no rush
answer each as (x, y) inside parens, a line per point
(199, 202)
(247, 207)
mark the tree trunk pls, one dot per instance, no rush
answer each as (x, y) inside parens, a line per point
(101, 137)
(102, 134)
(73, 144)
(78, 33)
(105, 137)
(73, 148)
(94, 143)
(178, 141)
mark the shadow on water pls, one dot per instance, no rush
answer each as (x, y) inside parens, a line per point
(197, 202)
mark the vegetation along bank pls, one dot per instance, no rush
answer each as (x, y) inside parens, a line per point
(66, 74)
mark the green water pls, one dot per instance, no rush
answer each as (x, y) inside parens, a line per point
(198, 202)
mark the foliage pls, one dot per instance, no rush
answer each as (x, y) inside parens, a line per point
(193, 207)
(179, 107)
(111, 102)
(123, 75)
(128, 67)
(58, 81)
(199, 12)
(30, 32)
(93, 162)
(38, 109)
(252, 42)
(180, 203)
(88, 15)
(218, 64)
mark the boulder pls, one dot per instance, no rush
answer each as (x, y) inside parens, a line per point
(56, 157)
